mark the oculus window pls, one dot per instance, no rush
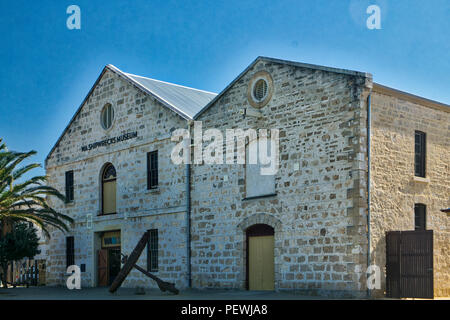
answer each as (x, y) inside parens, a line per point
(107, 116)
(260, 89)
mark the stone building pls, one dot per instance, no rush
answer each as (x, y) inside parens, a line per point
(307, 227)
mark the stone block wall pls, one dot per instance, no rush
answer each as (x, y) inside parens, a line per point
(394, 188)
(138, 209)
(319, 211)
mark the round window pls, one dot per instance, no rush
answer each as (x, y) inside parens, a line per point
(107, 116)
(260, 90)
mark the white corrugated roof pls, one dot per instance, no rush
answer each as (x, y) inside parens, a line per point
(188, 101)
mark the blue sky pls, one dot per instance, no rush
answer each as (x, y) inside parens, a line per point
(47, 69)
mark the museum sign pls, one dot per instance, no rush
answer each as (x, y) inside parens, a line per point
(106, 142)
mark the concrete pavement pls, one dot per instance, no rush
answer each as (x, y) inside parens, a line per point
(62, 293)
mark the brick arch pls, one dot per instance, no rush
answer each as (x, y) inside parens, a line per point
(260, 218)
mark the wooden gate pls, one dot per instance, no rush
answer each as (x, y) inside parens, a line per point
(409, 264)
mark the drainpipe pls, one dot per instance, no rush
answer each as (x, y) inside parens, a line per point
(188, 212)
(368, 183)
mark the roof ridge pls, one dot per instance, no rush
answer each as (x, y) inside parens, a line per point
(281, 61)
(170, 83)
(145, 89)
(317, 66)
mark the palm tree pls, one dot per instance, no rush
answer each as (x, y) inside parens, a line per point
(27, 200)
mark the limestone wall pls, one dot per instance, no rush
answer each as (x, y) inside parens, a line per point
(319, 212)
(394, 190)
(138, 209)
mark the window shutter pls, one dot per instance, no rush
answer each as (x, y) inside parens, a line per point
(420, 216)
(152, 251)
(70, 251)
(152, 170)
(69, 186)
(420, 154)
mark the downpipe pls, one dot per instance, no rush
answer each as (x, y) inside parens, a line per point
(188, 213)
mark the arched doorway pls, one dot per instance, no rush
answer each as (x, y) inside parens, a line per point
(260, 257)
(109, 189)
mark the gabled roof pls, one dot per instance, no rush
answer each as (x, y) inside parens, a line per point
(190, 103)
(185, 101)
(286, 62)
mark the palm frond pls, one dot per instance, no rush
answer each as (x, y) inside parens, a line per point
(28, 200)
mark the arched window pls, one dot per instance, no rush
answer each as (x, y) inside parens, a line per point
(107, 116)
(109, 190)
